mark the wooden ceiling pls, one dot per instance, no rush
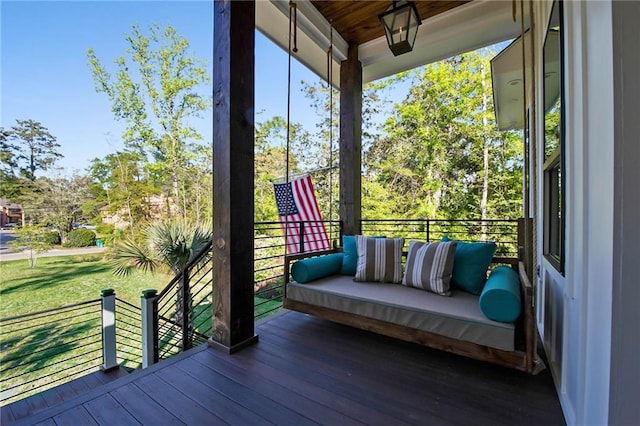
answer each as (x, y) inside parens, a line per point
(357, 20)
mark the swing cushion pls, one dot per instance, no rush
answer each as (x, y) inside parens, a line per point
(310, 269)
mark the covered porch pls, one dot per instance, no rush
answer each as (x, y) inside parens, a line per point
(306, 370)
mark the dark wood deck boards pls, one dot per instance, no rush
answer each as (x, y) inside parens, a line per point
(308, 371)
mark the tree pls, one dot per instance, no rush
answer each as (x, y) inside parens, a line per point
(59, 202)
(35, 149)
(155, 92)
(120, 184)
(31, 238)
(9, 182)
(441, 154)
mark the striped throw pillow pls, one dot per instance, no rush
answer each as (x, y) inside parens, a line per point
(430, 266)
(379, 259)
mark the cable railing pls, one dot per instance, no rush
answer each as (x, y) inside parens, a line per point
(128, 335)
(47, 348)
(504, 232)
(181, 312)
(269, 251)
(44, 349)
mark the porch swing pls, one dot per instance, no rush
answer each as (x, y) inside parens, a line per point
(453, 324)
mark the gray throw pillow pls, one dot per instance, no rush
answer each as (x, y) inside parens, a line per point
(379, 259)
(430, 266)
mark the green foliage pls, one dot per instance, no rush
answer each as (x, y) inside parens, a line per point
(168, 246)
(157, 88)
(440, 154)
(58, 201)
(35, 148)
(80, 238)
(32, 238)
(51, 238)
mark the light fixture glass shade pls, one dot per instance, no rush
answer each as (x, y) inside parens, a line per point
(401, 22)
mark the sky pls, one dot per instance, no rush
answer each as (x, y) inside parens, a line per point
(44, 74)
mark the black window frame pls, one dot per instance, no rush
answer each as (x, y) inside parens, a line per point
(554, 175)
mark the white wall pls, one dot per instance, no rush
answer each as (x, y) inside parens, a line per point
(576, 310)
(625, 332)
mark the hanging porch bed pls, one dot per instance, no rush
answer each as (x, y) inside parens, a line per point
(395, 300)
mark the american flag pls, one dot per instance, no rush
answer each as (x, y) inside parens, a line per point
(297, 203)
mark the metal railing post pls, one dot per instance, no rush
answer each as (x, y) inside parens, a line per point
(186, 311)
(109, 355)
(149, 328)
(301, 237)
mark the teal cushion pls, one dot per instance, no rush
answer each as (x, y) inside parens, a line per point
(470, 265)
(350, 251)
(306, 270)
(500, 299)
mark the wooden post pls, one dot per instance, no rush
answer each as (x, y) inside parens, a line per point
(351, 141)
(149, 328)
(233, 170)
(109, 355)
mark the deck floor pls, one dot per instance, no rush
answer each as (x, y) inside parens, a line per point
(308, 371)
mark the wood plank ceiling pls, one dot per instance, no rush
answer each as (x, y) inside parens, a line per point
(357, 21)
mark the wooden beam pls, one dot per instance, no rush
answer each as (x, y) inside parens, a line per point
(233, 159)
(351, 141)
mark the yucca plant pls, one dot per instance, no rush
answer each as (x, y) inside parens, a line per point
(168, 246)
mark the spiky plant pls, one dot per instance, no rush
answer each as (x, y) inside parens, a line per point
(167, 245)
(170, 246)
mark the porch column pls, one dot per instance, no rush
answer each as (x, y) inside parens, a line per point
(233, 171)
(351, 141)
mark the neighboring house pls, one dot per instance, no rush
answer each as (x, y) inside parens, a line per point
(583, 199)
(157, 207)
(10, 213)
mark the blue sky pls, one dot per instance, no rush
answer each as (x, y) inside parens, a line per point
(45, 77)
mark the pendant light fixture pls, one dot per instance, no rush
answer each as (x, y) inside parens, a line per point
(401, 22)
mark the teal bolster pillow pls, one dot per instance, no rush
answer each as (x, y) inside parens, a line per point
(500, 299)
(306, 270)
(470, 265)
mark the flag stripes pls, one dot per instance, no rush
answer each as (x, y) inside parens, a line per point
(298, 212)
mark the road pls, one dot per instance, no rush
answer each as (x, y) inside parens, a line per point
(6, 253)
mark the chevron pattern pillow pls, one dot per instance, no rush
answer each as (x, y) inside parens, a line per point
(430, 266)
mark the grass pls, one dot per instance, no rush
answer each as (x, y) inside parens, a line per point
(63, 280)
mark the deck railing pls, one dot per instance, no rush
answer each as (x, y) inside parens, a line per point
(47, 348)
(182, 311)
(503, 231)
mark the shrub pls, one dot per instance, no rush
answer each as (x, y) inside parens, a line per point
(80, 238)
(51, 238)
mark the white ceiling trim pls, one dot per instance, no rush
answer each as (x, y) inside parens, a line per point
(471, 26)
(468, 27)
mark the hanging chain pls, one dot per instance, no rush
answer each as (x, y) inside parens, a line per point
(330, 86)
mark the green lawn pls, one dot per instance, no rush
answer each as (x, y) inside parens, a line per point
(64, 280)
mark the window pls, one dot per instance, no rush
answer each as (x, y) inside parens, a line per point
(554, 142)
